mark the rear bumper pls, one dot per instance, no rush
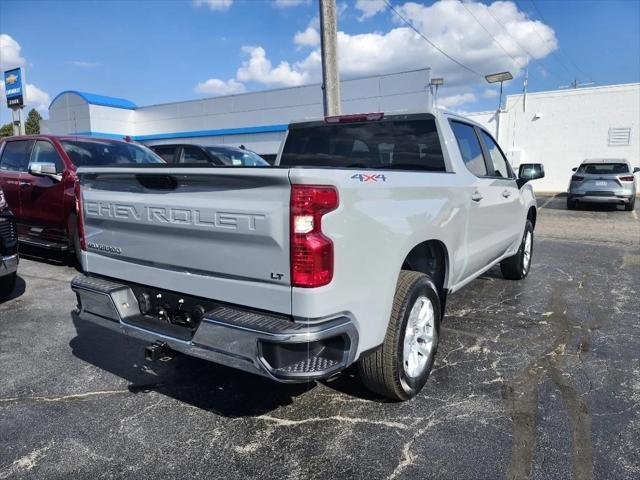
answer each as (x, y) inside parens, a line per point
(261, 343)
(604, 197)
(9, 265)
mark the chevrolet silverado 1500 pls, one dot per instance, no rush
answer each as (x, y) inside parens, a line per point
(343, 252)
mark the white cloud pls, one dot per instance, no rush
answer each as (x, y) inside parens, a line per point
(258, 68)
(10, 53)
(36, 98)
(308, 38)
(290, 3)
(82, 64)
(456, 100)
(369, 8)
(446, 23)
(10, 57)
(39, 99)
(219, 5)
(490, 93)
(215, 86)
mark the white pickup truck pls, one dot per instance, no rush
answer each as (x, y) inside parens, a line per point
(343, 252)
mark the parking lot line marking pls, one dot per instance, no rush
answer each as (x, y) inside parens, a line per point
(635, 215)
(547, 202)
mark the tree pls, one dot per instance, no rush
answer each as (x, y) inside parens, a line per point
(6, 130)
(32, 125)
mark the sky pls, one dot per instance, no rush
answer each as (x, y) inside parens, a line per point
(153, 52)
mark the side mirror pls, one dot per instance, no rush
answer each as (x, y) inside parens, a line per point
(574, 169)
(44, 170)
(528, 172)
(636, 169)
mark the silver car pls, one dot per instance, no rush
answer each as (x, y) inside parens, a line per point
(603, 181)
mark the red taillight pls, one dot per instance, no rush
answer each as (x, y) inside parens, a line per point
(577, 178)
(360, 117)
(79, 213)
(626, 179)
(311, 250)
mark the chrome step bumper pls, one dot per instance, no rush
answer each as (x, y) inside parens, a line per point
(267, 344)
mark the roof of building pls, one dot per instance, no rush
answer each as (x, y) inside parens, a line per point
(102, 100)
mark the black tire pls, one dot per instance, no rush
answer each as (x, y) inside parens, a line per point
(75, 240)
(383, 370)
(571, 203)
(517, 266)
(7, 284)
(631, 205)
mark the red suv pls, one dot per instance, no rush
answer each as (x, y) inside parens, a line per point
(37, 175)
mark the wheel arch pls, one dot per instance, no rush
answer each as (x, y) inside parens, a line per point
(430, 257)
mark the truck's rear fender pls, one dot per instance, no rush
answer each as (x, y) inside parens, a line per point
(375, 227)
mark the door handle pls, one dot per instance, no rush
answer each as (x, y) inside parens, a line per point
(506, 194)
(476, 197)
(25, 184)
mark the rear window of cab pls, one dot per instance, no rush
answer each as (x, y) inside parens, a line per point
(389, 144)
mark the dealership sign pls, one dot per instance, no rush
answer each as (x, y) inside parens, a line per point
(14, 87)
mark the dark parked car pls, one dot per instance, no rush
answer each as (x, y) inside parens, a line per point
(8, 249)
(37, 174)
(219, 155)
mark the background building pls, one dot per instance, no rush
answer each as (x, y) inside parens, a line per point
(562, 128)
(558, 128)
(257, 120)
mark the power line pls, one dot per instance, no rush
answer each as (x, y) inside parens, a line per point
(410, 25)
(515, 60)
(531, 56)
(555, 55)
(565, 54)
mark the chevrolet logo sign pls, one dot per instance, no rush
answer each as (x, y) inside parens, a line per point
(11, 79)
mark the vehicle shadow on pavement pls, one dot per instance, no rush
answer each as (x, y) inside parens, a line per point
(200, 383)
(43, 255)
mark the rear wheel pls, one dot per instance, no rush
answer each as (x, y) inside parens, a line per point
(399, 368)
(517, 266)
(7, 284)
(631, 205)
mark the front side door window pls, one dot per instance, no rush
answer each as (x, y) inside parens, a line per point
(498, 163)
(15, 156)
(45, 152)
(470, 148)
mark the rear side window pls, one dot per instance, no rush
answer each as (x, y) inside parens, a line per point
(603, 168)
(15, 156)
(500, 165)
(193, 155)
(166, 153)
(45, 152)
(470, 148)
(392, 144)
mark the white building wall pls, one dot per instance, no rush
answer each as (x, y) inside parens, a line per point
(565, 127)
(70, 113)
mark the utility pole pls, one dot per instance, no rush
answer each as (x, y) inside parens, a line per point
(329, 48)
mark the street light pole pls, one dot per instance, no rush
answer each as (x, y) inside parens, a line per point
(329, 48)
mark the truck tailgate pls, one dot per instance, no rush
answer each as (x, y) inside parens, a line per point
(216, 233)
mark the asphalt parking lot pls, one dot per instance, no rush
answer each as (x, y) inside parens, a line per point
(533, 379)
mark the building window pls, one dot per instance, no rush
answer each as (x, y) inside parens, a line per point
(620, 137)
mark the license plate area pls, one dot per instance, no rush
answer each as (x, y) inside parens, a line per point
(169, 313)
(601, 183)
